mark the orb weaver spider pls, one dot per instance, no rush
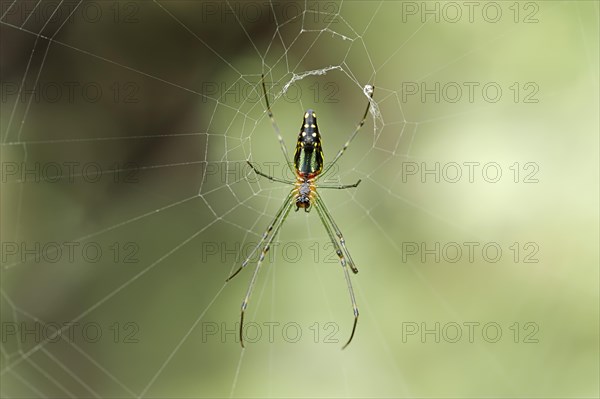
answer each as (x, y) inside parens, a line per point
(308, 168)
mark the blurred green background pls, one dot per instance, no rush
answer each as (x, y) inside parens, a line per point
(126, 201)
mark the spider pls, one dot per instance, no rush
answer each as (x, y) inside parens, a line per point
(308, 168)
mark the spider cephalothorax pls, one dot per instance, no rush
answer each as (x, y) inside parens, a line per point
(304, 189)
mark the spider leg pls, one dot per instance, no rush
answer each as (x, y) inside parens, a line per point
(275, 126)
(340, 186)
(338, 233)
(360, 124)
(266, 234)
(284, 213)
(326, 219)
(258, 172)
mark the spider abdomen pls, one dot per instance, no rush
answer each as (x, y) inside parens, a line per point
(308, 158)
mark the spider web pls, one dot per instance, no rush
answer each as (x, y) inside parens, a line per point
(113, 282)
